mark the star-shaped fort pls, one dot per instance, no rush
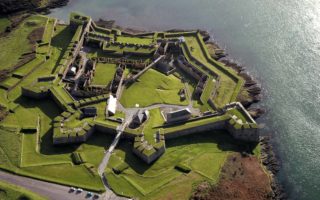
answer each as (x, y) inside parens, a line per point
(147, 87)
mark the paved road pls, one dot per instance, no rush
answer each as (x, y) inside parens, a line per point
(52, 191)
(45, 189)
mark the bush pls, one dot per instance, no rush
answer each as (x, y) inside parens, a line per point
(183, 168)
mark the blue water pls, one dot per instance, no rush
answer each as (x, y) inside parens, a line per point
(278, 42)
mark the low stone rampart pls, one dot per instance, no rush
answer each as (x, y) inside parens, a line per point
(212, 126)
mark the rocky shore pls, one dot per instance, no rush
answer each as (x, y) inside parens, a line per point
(253, 90)
(271, 163)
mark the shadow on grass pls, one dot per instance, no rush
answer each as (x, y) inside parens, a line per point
(101, 139)
(47, 147)
(61, 41)
(222, 138)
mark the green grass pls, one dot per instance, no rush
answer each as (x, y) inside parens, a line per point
(150, 127)
(61, 94)
(28, 67)
(45, 161)
(134, 40)
(10, 148)
(104, 74)
(48, 33)
(153, 87)
(240, 115)
(4, 23)
(10, 191)
(130, 49)
(8, 83)
(17, 43)
(195, 123)
(228, 85)
(204, 153)
(209, 164)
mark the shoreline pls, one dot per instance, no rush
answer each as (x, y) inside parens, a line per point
(268, 157)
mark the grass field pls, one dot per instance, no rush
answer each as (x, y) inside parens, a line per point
(104, 73)
(204, 153)
(43, 160)
(153, 87)
(9, 191)
(17, 43)
(134, 40)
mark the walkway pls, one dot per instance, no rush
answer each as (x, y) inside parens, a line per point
(135, 77)
(109, 193)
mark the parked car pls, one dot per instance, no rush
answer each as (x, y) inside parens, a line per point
(72, 189)
(79, 190)
(89, 194)
(96, 196)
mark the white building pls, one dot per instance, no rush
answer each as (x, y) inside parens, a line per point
(112, 105)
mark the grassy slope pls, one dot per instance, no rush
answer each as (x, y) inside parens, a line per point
(46, 161)
(104, 73)
(151, 88)
(204, 153)
(4, 22)
(9, 191)
(17, 43)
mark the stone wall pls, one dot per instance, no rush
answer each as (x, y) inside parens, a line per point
(244, 134)
(73, 139)
(34, 94)
(212, 126)
(151, 158)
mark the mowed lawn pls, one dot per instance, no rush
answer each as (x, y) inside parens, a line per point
(104, 73)
(204, 153)
(153, 87)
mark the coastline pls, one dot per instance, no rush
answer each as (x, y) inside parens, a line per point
(268, 157)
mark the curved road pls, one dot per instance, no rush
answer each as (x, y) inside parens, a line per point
(51, 190)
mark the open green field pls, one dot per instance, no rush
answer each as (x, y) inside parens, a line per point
(153, 87)
(204, 153)
(104, 73)
(33, 154)
(9, 191)
(17, 43)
